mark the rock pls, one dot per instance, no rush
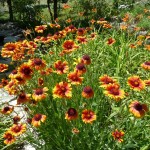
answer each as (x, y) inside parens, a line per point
(2, 39)
(11, 39)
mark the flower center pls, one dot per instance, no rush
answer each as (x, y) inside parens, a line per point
(89, 115)
(17, 128)
(147, 63)
(37, 117)
(11, 48)
(138, 107)
(63, 89)
(14, 72)
(87, 90)
(9, 137)
(80, 67)
(72, 112)
(86, 57)
(136, 83)
(22, 96)
(38, 62)
(6, 108)
(26, 70)
(39, 91)
(114, 91)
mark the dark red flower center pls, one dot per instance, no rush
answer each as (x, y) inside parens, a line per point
(114, 91)
(22, 96)
(138, 107)
(9, 137)
(81, 30)
(16, 119)
(17, 128)
(37, 62)
(69, 45)
(147, 63)
(39, 91)
(89, 115)
(87, 90)
(6, 108)
(60, 67)
(107, 80)
(72, 112)
(63, 89)
(41, 28)
(14, 72)
(19, 79)
(86, 57)
(135, 83)
(37, 117)
(26, 70)
(11, 47)
(80, 67)
(71, 27)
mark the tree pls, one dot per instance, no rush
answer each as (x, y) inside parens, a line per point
(49, 9)
(55, 9)
(9, 3)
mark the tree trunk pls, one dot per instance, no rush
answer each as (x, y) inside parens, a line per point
(115, 5)
(9, 3)
(49, 9)
(55, 9)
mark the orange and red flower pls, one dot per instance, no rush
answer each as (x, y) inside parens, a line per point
(87, 92)
(86, 60)
(93, 36)
(40, 82)
(71, 29)
(9, 138)
(132, 45)
(66, 6)
(37, 119)
(41, 28)
(3, 67)
(146, 65)
(147, 47)
(3, 83)
(75, 131)
(114, 91)
(61, 67)
(71, 114)
(40, 94)
(106, 80)
(62, 90)
(147, 82)
(69, 46)
(16, 119)
(81, 31)
(25, 71)
(37, 63)
(136, 83)
(7, 110)
(138, 109)
(118, 135)
(111, 41)
(23, 98)
(17, 129)
(9, 49)
(82, 39)
(12, 87)
(74, 78)
(80, 68)
(107, 26)
(88, 116)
